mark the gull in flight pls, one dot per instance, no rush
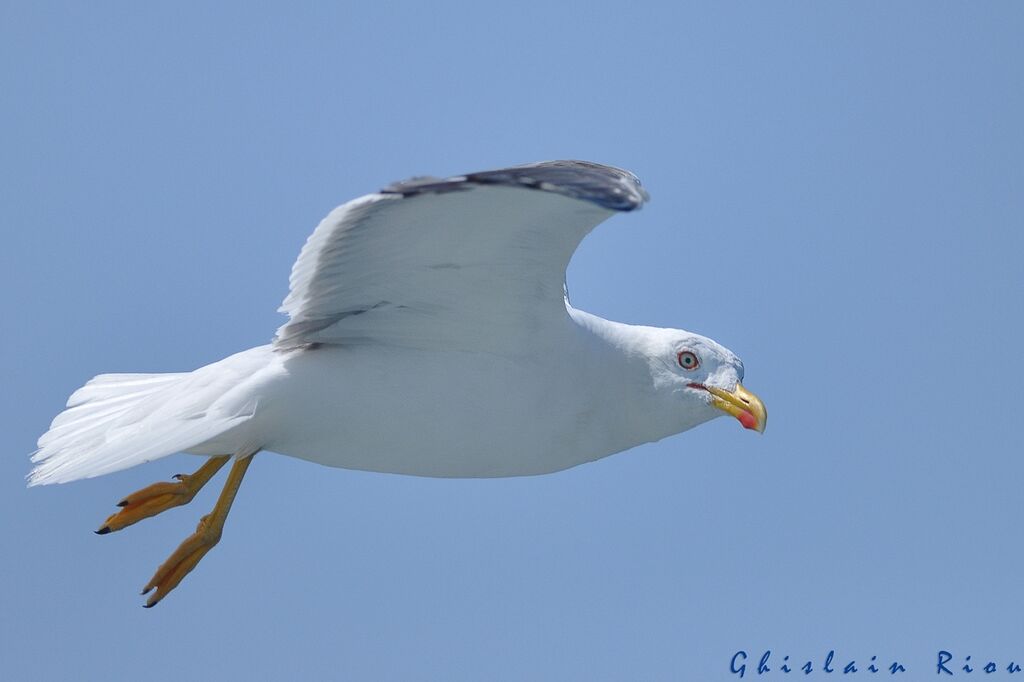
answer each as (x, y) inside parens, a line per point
(428, 334)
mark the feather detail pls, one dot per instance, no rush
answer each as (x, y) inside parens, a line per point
(117, 421)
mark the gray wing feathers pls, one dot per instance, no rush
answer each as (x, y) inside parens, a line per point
(606, 186)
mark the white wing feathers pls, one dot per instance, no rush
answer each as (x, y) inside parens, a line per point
(475, 261)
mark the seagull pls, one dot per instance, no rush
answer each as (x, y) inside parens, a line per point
(429, 333)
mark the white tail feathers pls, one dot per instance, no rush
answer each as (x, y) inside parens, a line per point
(119, 420)
(95, 419)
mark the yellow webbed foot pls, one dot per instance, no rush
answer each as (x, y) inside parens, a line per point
(194, 548)
(183, 560)
(160, 497)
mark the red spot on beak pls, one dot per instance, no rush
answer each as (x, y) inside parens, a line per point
(748, 420)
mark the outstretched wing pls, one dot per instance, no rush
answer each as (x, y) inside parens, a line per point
(469, 262)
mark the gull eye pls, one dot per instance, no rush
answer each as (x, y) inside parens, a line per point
(688, 360)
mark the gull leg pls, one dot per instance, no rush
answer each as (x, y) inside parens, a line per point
(160, 497)
(195, 546)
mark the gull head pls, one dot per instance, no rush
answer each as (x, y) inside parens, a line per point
(703, 375)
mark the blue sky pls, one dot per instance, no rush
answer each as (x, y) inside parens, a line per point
(836, 196)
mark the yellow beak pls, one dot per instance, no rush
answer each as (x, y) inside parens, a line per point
(741, 404)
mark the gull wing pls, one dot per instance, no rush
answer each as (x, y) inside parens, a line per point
(473, 262)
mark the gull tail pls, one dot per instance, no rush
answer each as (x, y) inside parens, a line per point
(117, 421)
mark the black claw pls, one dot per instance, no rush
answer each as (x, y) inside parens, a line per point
(146, 591)
(122, 503)
(149, 606)
(102, 531)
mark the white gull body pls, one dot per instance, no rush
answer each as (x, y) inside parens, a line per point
(428, 334)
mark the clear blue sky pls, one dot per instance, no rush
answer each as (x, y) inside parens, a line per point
(837, 195)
